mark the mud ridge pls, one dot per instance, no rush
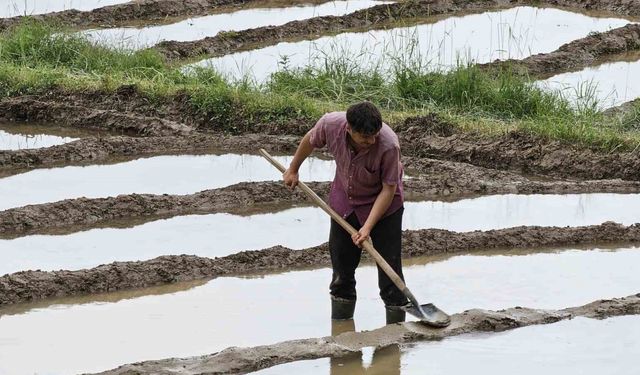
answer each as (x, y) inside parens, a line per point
(437, 180)
(242, 360)
(27, 108)
(112, 15)
(29, 286)
(378, 15)
(575, 55)
(106, 149)
(517, 151)
(87, 212)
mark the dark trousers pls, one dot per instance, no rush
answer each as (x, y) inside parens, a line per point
(345, 257)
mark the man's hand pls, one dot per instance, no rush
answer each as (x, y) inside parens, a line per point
(361, 236)
(290, 178)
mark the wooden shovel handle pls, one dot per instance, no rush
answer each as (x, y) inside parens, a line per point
(368, 245)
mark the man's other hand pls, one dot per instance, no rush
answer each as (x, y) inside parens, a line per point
(290, 178)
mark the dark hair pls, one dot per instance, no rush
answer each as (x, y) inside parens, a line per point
(364, 118)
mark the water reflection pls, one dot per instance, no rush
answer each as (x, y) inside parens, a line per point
(384, 360)
(604, 86)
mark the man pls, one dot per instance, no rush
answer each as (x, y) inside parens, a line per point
(367, 192)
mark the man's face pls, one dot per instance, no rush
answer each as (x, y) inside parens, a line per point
(362, 141)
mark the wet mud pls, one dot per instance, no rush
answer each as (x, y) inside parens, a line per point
(30, 286)
(575, 55)
(434, 180)
(242, 360)
(93, 150)
(151, 10)
(517, 151)
(33, 110)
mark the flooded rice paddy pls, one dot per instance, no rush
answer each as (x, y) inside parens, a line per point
(609, 85)
(182, 174)
(578, 346)
(94, 336)
(201, 27)
(218, 235)
(12, 8)
(478, 38)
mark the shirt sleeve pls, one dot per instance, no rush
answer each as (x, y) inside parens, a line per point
(318, 137)
(391, 166)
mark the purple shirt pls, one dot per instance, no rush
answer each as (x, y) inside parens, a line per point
(359, 176)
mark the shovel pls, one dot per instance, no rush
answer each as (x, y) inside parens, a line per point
(428, 313)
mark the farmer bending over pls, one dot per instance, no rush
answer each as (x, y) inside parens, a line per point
(367, 192)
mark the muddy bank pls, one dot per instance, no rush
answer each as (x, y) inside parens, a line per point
(577, 54)
(84, 212)
(148, 10)
(119, 148)
(435, 180)
(152, 114)
(517, 151)
(376, 16)
(36, 285)
(242, 360)
(30, 109)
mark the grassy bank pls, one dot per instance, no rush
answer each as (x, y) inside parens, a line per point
(36, 57)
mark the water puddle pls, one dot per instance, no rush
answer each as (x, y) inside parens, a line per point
(578, 346)
(607, 85)
(201, 27)
(12, 8)
(225, 312)
(182, 174)
(218, 235)
(20, 136)
(513, 33)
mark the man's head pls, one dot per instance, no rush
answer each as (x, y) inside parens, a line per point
(364, 123)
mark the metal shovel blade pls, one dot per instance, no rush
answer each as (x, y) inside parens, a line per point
(429, 314)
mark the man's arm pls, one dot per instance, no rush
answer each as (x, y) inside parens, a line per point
(380, 206)
(305, 149)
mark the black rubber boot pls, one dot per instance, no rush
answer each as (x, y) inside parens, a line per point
(342, 309)
(395, 314)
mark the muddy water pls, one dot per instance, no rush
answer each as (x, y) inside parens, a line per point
(18, 136)
(252, 311)
(514, 33)
(609, 84)
(201, 27)
(297, 228)
(12, 8)
(158, 175)
(579, 346)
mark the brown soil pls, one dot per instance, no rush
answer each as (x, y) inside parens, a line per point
(119, 148)
(577, 54)
(31, 109)
(436, 180)
(152, 10)
(518, 151)
(242, 360)
(36, 285)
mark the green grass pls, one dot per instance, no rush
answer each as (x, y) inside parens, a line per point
(35, 58)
